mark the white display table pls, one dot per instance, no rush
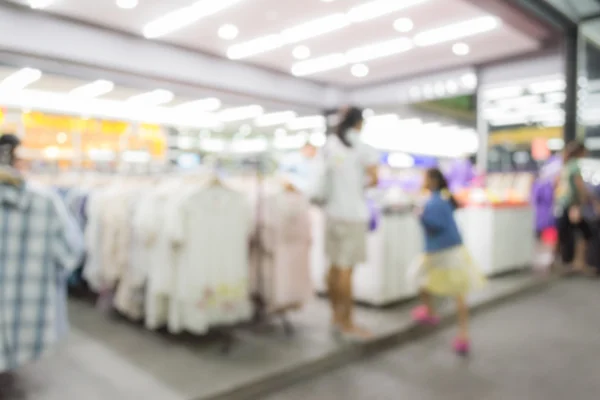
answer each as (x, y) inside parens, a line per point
(391, 248)
(500, 239)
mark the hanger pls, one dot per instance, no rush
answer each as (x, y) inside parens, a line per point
(10, 176)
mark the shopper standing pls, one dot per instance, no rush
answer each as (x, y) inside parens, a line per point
(572, 195)
(352, 167)
(446, 268)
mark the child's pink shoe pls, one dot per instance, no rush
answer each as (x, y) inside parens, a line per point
(422, 316)
(461, 347)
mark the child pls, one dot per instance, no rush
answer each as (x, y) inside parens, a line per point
(446, 269)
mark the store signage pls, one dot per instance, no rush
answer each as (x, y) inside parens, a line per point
(524, 135)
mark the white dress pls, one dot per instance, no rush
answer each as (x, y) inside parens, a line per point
(210, 229)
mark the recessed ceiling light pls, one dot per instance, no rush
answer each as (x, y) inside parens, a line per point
(360, 70)
(127, 4)
(461, 49)
(228, 32)
(403, 25)
(301, 52)
(39, 4)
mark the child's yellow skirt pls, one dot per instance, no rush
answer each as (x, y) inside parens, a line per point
(450, 272)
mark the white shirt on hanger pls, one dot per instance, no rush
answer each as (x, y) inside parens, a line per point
(211, 229)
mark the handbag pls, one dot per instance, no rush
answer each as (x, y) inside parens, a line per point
(320, 187)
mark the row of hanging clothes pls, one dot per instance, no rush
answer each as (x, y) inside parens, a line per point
(190, 252)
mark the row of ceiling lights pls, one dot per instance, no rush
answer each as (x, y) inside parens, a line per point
(25, 77)
(360, 55)
(182, 17)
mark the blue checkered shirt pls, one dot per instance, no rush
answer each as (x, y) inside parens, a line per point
(38, 240)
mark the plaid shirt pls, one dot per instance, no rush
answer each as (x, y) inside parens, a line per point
(37, 239)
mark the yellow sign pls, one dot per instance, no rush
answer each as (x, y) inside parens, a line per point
(524, 135)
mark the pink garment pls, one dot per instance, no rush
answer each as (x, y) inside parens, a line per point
(283, 252)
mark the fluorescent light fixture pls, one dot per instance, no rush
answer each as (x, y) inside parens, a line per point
(240, 113)
(456, 31)
(461, 49)
(228, 32)
(311, 122)
(290, 142)
(360, 70)
(301, 52)
(379, 8)
(404, 25)
(185, 16)
(94, 89)
(256, 145)
(255, 46)
(20, 79)
(127, 4)
(203, 105)
(154, 98)
(503, 92)
(321, 64)
(316, 27)
(274, 119)
(101, 155)
(62, 103)
(213, 145)
(555, 85)
(136, 156)
(378, 50)
(39, 4)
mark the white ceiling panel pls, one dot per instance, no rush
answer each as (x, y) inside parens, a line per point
(259, 18)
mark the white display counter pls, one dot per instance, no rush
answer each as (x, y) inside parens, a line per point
(391, 248)
(500, 239)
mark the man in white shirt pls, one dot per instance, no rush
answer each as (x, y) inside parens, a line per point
(351, 167)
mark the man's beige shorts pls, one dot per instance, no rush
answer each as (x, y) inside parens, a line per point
(346, 243)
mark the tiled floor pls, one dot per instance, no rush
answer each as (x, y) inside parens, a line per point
(113, 359)
(543, 347)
